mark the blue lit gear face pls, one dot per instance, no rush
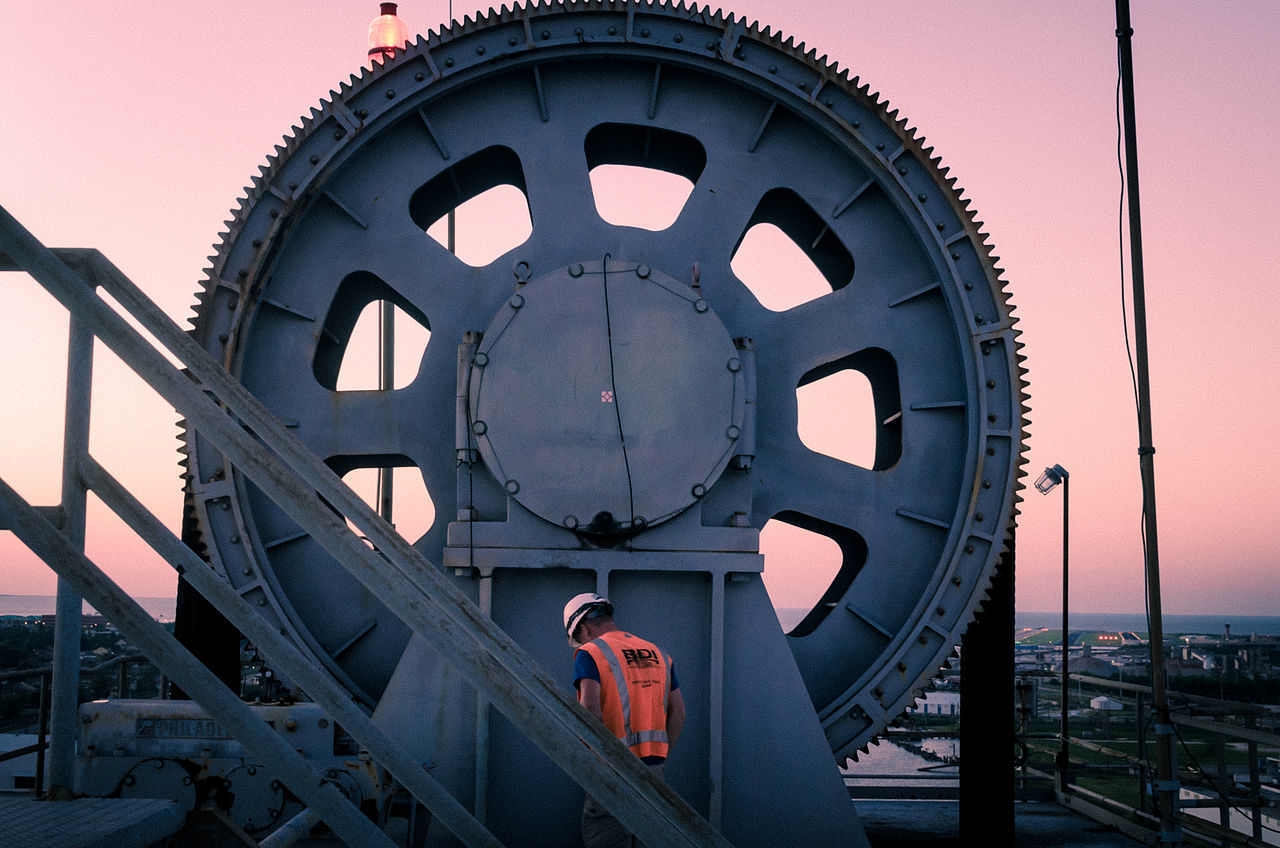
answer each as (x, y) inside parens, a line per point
(767, 134)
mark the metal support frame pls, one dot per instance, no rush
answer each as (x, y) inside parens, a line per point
(87, 579)
(257, 443)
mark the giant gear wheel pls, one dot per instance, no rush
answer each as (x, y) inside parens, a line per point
(768, 132)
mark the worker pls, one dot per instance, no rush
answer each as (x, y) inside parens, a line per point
(629, 684)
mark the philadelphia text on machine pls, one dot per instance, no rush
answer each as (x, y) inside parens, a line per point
(601, 408)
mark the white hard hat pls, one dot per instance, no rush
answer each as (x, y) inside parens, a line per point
(579, 606)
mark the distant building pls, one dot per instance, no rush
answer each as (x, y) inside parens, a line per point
(1103, 702)
(939, 704)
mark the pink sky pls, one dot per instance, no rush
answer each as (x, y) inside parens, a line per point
(131, 127)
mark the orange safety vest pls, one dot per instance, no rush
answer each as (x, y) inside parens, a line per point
(635, 683)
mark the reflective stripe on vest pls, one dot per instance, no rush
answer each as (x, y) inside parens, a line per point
(649, 740)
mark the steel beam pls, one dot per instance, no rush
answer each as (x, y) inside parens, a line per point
(65, 703)
(412, 588)
(85, 578)
(322, 688)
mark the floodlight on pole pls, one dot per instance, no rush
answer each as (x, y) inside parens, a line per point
(1046, 483)
(1052, 476)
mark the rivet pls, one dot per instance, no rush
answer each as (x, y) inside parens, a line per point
(955, 254)
(479, 427)
(968, 286)
(275, 213)
(711, 45)
(977, 516)
(315, 160)
(991, 417)
(700, 305)
(733, 431)
(512, 487)
(571, 521)
(878, 692)
(955, 581)
(880, 146)
(262, 602)
(513, 41)
(902, 666)
(575, 270)
(521, 271)
(448, 63)
(804, 86)
(991, 384)
(827, 103)
(419, 76)
(293, 186)
(242, 273)
(247, 571)
(922, 197)
(734, 364)
(978, 319)
(856, 124)
(923, 639)
(902, 171)
(773, 69)
(677, 38)
(339, 133)
(644, 33)
(222, 337)
(986, 484)
(235, 539)
(698, 490)
(577, 30)
(613, 30)
(480, 50)
(545, 34)
(639, 522)
(940, 611)
(939, 226)
(642, 272)
(968, 549)
(991, 451)
(481, 359)
(517, 301)
(362, 113)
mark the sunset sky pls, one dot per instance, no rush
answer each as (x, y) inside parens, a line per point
(131, 127)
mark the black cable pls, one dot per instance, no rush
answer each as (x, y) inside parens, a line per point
(613, 384)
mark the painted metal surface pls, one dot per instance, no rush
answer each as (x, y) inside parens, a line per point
(767, 133)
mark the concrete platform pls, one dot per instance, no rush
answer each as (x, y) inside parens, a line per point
(87, 822)
(1038, 824)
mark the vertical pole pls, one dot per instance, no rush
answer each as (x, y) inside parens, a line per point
(66, 636)
(484, 598)
(1064, 748)
(43, 732)
(122, 680)
(987, 716)
(386, 382)
(1168, 792)
(1255, 783)
(715, 751)
(1224, 782)
(1140, 715)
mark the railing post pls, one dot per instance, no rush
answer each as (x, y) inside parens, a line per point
(66, 637)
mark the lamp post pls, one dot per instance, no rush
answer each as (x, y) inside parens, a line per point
(1045, 484)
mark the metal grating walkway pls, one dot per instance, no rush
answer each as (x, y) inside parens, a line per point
(87, 822)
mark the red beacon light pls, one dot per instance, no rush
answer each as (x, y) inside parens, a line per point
(387, 34)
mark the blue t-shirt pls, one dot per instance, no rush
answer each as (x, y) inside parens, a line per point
(584, 668)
